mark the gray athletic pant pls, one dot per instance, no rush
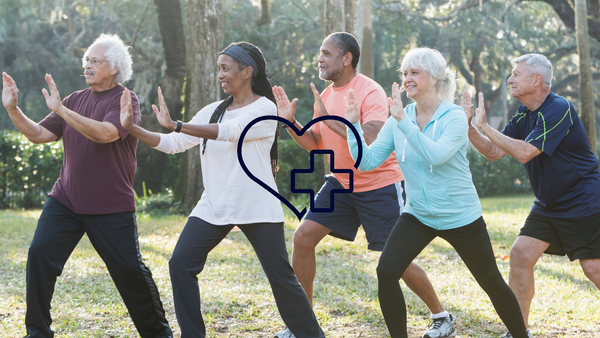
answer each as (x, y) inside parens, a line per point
(198, 238)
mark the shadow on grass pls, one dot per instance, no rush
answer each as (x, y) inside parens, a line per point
(583, 284)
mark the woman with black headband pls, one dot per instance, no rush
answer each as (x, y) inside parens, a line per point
(230, 197)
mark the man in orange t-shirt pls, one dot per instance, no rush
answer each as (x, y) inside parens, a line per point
(377, 200)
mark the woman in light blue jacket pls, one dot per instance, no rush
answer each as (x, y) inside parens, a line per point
(430, 140)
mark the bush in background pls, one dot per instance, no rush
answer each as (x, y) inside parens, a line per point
(498, 178)
(161, 204)
(27, 171)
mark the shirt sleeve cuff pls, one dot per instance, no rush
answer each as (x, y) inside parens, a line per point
(224, 132)
(404, 124)
(163, 144)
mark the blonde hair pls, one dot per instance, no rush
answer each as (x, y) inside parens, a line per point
(435, 66)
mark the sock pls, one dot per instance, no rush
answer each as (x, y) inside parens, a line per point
(442, 314)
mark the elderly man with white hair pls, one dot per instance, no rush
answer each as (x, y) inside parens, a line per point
(94, 193)
(547, 136)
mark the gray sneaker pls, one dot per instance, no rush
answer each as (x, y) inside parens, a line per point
(508, 335)
(441, 328)
(285, 334)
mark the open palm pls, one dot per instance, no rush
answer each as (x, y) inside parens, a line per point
(10, 92)
(285, 108)
(162, 112)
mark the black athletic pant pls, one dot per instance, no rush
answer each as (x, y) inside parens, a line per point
(198, 238)
(409, 237)
(115, 238)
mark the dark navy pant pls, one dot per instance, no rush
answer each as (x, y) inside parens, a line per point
(198, 238)
(115, 238)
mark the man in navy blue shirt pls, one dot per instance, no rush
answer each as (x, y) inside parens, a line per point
(547, 136)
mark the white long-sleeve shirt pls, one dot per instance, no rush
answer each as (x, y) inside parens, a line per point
(230, 196)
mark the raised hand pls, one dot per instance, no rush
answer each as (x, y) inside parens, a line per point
(53, 100)
(395, 103)
(480, 120)
(467, 105)
(352, 113)
(162, 113)
(321, 110)
(10, 92)
(285, 108)
(126, 110)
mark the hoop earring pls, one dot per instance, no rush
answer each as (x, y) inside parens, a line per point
(246, 80)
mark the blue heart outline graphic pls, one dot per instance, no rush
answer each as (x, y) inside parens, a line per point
(298, 214)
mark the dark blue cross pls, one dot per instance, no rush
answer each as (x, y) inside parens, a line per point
(332, 169)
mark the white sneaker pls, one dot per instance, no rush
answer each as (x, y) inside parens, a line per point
(285, 334)
(441, 328)
(508, 335)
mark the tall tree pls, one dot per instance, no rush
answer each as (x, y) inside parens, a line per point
(334, 16)
(367, 61)
(151, 163)
(334, 20)
(204, 42)
(265, 17)
(586, 99)
(566, 12)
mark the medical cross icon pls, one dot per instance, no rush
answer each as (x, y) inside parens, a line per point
(332, 169)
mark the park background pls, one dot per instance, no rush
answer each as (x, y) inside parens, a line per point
(175, 45)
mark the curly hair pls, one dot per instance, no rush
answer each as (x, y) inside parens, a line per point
(117, 54)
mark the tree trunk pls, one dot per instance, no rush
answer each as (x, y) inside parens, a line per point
(367, 63)
(334, 17)
(204, 42)
(594, 8)
(334, 20)
(151, 163)
(265, 17)
(350, 10)
(504, 93)
(586, 99)
(566, 12)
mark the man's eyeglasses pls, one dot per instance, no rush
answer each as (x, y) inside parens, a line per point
(95, 62)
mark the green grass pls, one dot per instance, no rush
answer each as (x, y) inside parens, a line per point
(237, 301)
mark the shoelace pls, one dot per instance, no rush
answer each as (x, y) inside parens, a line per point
(438, 322)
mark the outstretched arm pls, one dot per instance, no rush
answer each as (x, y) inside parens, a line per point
(452, 136)
(171, 143)
(493, 144)
(370, 129)
(478, 140)
(209, 131)
(336, 126)
(150, 138)
(10, 98)
(378, 151)
(286, 109)
(97, 131)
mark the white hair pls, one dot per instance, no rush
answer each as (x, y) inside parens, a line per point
(537, 64)
(117, 55)
(434, 65)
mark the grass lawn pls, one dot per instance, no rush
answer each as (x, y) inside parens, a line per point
(237, 301)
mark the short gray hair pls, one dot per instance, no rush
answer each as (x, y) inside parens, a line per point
(537, 64)
(117, 55)
(434, 65)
